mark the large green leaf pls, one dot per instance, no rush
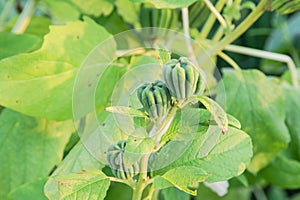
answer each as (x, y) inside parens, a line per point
(93, 7)
(207, 154)
(61, 11)
(168, 3)
(77, 160)
(12, 44)
(41, 83)
(29, 148)
(284, 170)
(91, 184)
(257, 103)
(33, 190)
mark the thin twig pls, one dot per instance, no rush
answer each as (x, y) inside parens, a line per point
(268, 55)
(25, 17)
(211, 20)
(186, 30)
(216, 13)
(229, 60)
(254, 15)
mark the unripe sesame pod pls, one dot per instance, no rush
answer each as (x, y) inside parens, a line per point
(155, 98)
(115, 157)
(182, 78)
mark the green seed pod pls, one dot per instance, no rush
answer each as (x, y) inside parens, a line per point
(155, 98)
(182, 78)
(115, 157)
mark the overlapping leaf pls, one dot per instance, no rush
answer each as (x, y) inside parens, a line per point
(257, 103)
(41, 83)
(29, 148)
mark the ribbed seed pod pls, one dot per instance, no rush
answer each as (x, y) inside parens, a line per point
(155, 98)
(115, 157)
(160, 18)
(182, 78)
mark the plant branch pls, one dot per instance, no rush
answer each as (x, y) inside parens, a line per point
(229, 60)
(268, 55)
(211, 20)
(186, 30)
(143, 180)
(25, 17)
(216, 13)
(9, 4)
(254, 15)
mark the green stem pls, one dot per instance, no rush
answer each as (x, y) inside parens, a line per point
(268, 55)
(229, 60)
(143, 180)
(186, 30)
(216, 13)
(254, 15)
(211, 20)
(218, 35)
(9, 4)
(25, 17)
(259, 193)
(151, 192)
(164, 127)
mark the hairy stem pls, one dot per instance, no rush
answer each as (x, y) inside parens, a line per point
(143, 180)
(211, 20)
(9, 4)
(25, 17)
(268, 55)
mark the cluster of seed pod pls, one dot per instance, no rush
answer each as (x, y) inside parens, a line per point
(155, 98)
(181, 80)
(115, 157)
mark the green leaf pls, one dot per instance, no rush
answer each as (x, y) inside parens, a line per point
(183, 176)
(12, 44)
(118, 191)
(136, 147)
(25, 142)
(126, 111)
(33, 190)
(218, 156)
(38, 26)
(93, 7)
(285, 168)
(168, 3)
(257, 103)
(174, 194)
(129, 11)
(42, 81)
(283, 172)
(217, 112)
(78, 159)
(57, 11)
(164, 54)
(91, 184)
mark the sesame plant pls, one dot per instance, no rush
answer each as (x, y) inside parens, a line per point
(149, 99)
